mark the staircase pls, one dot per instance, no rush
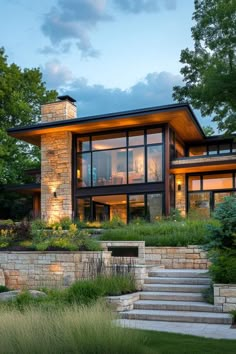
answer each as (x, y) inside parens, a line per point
(176, 296)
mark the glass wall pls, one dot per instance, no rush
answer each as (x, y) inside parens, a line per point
(206, 191)
(120, 158)
(147, 206)
(211, 149)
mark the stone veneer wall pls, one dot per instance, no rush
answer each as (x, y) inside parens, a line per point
(56, 176)
(180, 196)
(225, 296)
(30, 270)
(56, 160)
(190, 257)
(49, 269)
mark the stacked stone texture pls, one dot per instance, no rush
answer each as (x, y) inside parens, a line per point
(191, 257)
(180, 196)
(56, 169)
(225, 296)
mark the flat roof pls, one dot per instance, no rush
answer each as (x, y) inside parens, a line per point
(179, 115)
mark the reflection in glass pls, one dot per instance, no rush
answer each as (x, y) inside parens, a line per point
(224, 149)
(109, 167)
(110, 206)
(83, 172)
(199, 204)
(136, 207)
(154, 163)
(221, 181)
(154, 136)
(136, 138)
(179, 149)
(108, 141)
(194, 183)
(83, 209)
(83, 144)
(154, 206)
(212, 150)
(136, 165)
(197, 151)
(219, 197)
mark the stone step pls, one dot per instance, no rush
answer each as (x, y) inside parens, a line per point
(177, 316)
(171, 296)
(168, 280)
(175, 288)
(176, 306)
(180, 273)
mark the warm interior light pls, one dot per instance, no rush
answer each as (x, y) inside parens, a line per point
(78, 174)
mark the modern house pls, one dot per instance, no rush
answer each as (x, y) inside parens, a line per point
(138, 163)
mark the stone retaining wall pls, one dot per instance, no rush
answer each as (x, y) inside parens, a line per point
(32, 270)
(225, 296)
(49, 269)
(190, 257)
(139, 244)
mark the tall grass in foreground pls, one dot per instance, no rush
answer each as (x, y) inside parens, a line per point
(69, 330)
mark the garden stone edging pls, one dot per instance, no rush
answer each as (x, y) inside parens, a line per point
(11, 295)
(2, 278)
(225, 296)
(123, 302)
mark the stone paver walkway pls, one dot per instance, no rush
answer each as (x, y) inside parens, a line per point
(217, 331)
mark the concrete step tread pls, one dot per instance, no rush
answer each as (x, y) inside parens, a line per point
(184, 286)
(179, 280)
(172, 296)
(175, 287)
(179, 313)
(177, 305)
(169, 293)
(178, 273)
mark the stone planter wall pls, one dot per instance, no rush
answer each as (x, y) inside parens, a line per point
(225, 296)
(126, 244)
(2, 277)
(190, 257)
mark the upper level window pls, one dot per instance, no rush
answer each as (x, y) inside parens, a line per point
(154, 136)
(108, 141)
(136, 137)
(194, 183)
(83, 144)
(224, 148)
(218, 181)
(179, 149)
(197, 150)
(212, 149)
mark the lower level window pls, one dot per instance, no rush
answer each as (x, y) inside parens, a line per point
(126, 207)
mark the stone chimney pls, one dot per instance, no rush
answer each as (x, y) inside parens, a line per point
(56, 162)
(62, 109)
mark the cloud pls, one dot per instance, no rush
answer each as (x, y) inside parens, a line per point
(72, 21)
(155, 89)
(56, 75)
(149, 6)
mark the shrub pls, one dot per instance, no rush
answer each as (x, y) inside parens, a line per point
(223, 268)
(23, 230)
(113, 223)
(3, 289)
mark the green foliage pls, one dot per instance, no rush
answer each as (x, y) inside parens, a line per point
(175, 215)
(208, 295)
(3, 289)
(223, 268)
(209, 69)
(70, 330)
(113, 223)
(163, 233)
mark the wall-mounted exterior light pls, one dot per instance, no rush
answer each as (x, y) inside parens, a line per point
(179, 187)
(55, 194)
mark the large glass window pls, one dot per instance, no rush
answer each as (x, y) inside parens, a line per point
(132, 157)
(194, 183)
(154, 206)
(136, 207)
(220, 196)
(83, 172)
(212, 150)
(219, 181)
(109, 167)
(154, 136)
(199, 204)
(224, 148)
(136, 138)
(197, 151)
(83, 144)
(108, 141)
(154, 163)
(83, 209)
(136, 165)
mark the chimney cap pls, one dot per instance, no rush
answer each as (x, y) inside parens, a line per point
(66, 98)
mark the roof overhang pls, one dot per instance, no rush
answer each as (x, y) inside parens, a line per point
(179, 116)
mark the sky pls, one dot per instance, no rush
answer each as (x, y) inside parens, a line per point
(110, 55)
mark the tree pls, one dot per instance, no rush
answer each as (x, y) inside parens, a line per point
(209, 70)
(208, 130)
(21, 94)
